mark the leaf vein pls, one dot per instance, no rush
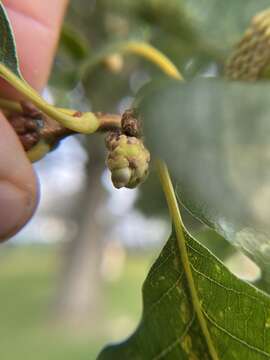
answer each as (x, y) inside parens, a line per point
(156, 268)
(236, 338)
(201, 254)
(226, 287)
(169, 348)
(158, 301)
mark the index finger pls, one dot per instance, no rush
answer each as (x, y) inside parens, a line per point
(36, 25)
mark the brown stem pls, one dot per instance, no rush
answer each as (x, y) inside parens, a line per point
(54, 131)
(108, 121)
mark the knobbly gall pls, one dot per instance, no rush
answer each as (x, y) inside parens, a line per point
(27, 129)
(32, 126)
(128, 160)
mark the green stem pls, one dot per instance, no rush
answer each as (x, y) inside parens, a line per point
(87, 123)
(10, 105)
(38, 151)
(139, 48)
(181, 241)
(106, 121)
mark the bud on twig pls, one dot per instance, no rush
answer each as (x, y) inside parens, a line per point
(130, 124)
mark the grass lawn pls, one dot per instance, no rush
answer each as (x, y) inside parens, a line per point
(27, 285)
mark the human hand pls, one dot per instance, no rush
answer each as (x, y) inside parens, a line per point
(36, 25)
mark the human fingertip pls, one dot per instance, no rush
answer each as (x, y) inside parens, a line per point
(16, 208)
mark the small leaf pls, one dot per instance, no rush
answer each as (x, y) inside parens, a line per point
(214, 135)
(237, 314)
(8, 52)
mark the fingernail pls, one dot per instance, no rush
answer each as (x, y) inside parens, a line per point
(15, 208)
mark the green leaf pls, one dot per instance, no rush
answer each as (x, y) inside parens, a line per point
(8, 52)
(236, 314)
(214, 135)
(202, 26)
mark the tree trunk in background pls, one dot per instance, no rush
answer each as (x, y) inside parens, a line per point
(80, 297)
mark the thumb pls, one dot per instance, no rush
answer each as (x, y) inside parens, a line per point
(18, 185)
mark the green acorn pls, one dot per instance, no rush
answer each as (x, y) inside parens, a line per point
(128, 160)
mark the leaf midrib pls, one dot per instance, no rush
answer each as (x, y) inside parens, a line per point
(181, 243)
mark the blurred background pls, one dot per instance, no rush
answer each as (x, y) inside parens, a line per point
(71, 280)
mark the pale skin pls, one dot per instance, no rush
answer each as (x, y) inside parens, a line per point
(36, 25)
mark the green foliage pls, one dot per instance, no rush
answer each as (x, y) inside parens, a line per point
(237, 314)
(8, 54)
(220, 155)
(205, 29)
(214, 135)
